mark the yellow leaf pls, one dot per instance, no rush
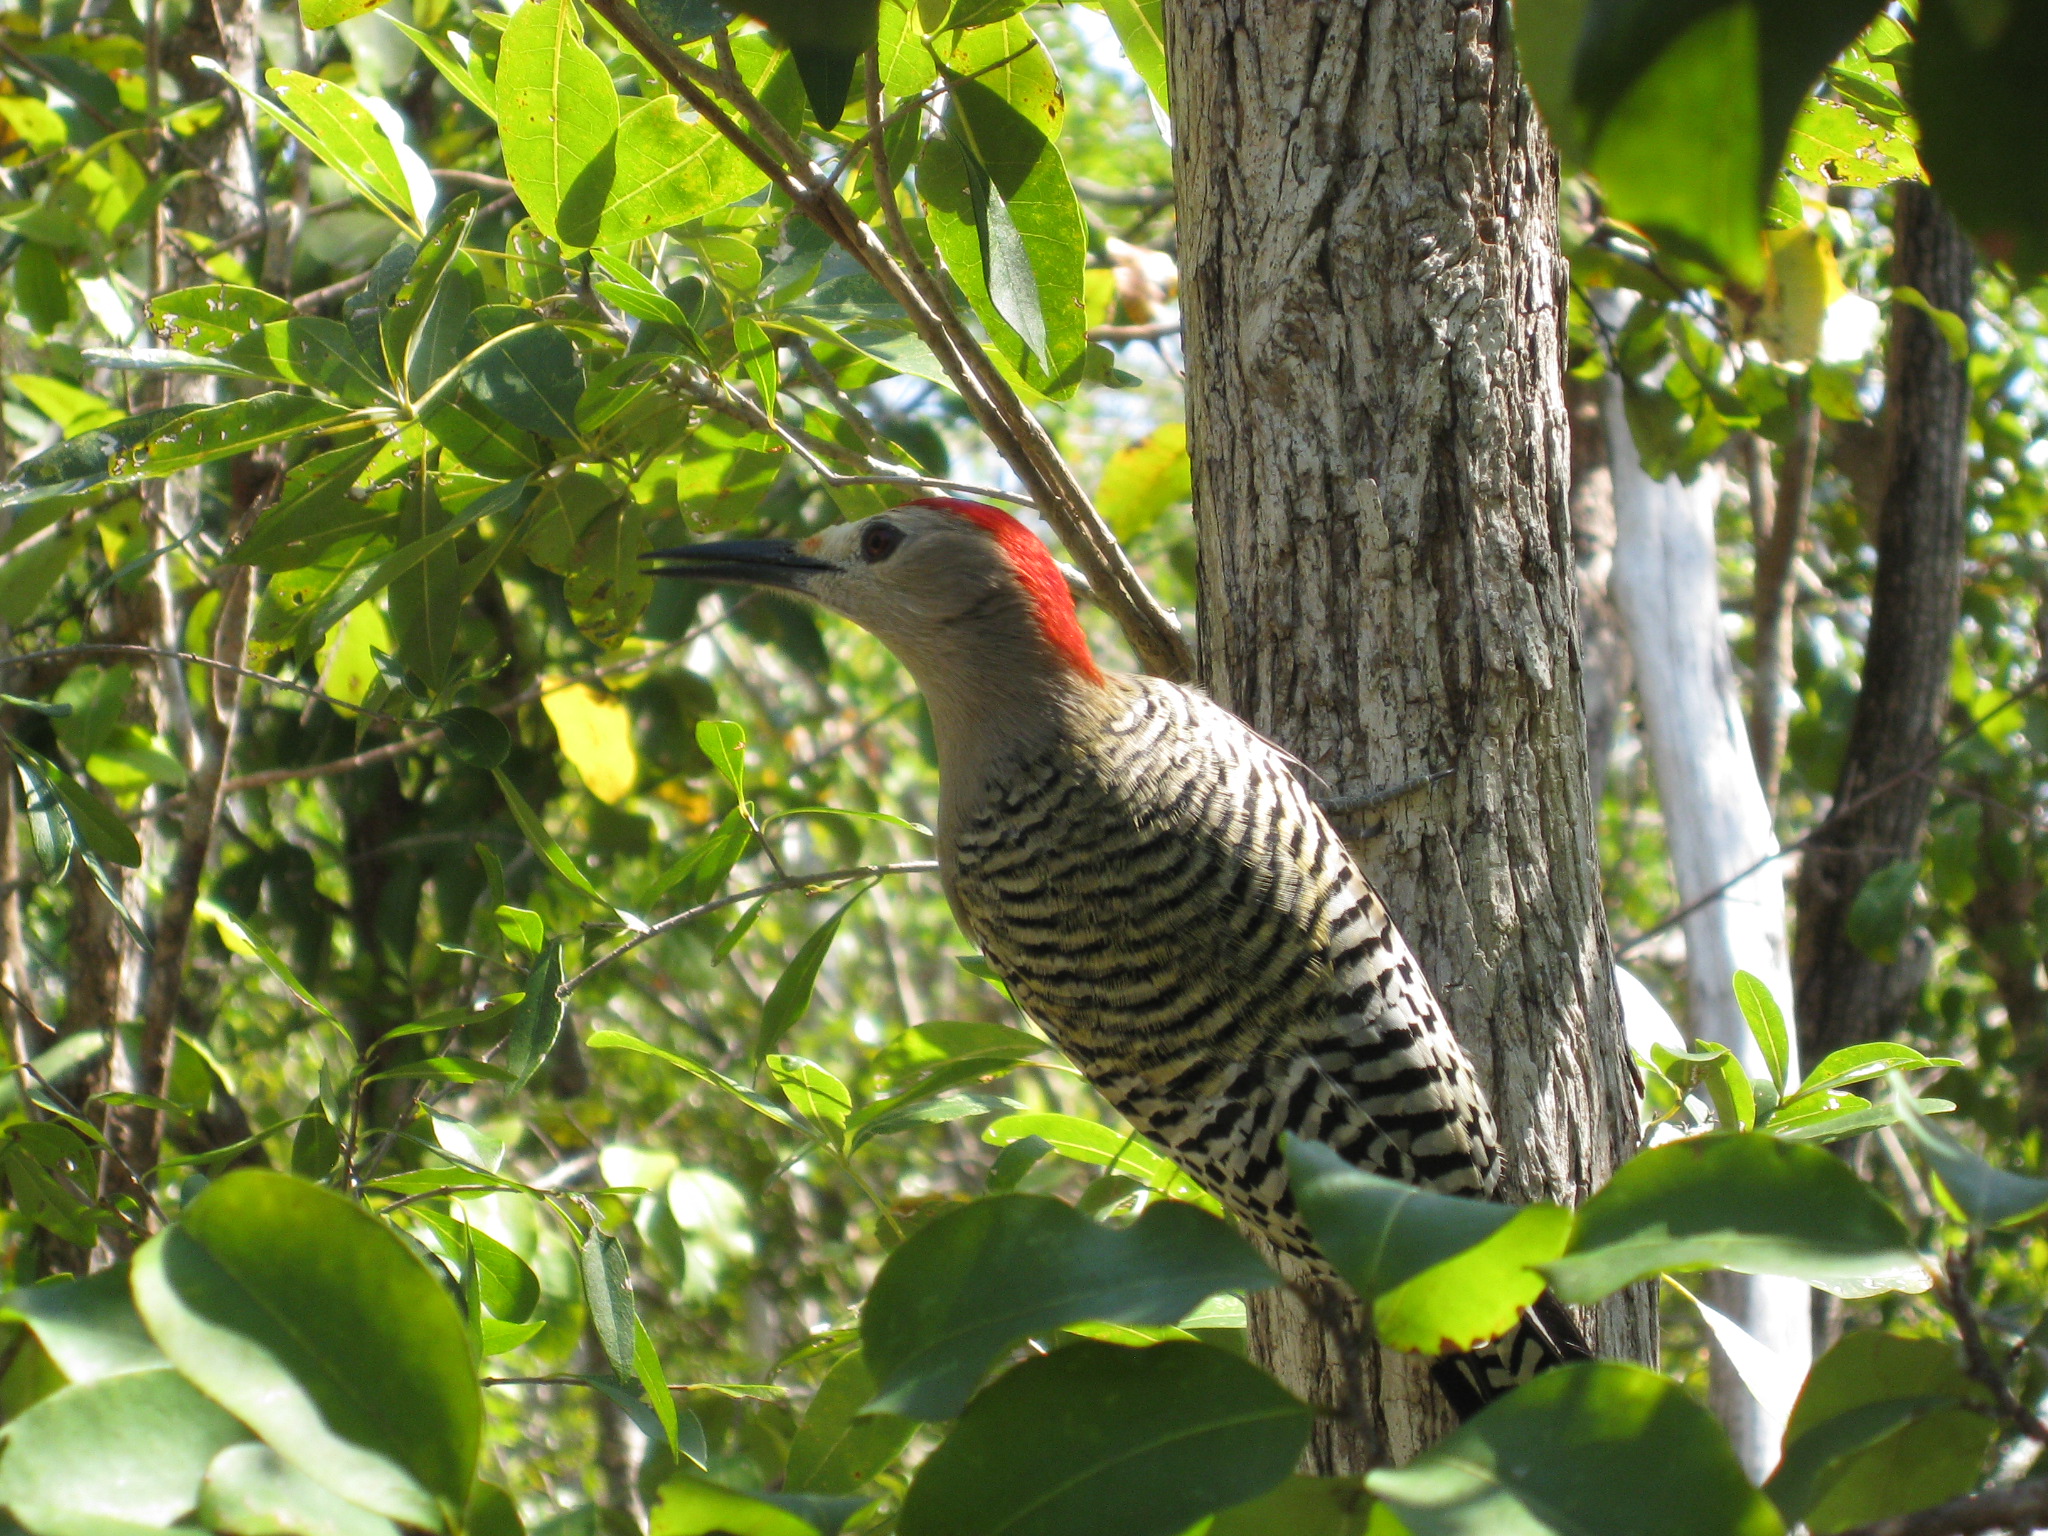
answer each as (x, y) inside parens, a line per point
(596, 735)
(1799, 285)
(1146, 478)
(347, 669)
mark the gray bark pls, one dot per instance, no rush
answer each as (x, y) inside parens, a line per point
(1845, 996)
(1374, 308)
(1608, 670)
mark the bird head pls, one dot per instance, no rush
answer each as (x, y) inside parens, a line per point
(943, 583)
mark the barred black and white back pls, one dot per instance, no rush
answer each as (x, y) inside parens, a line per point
(1162, 896)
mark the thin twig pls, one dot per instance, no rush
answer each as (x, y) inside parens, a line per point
(792, 883)
(2021, 1507)
(306, 303)
(1953, 1291)
(109, 648)
(434, 1194)
(1153, 330)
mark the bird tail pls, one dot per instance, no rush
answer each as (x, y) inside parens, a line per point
(1545, 1338)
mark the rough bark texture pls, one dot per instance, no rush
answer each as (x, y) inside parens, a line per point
(1607, 668)
(1844, 996)
(1373, 301)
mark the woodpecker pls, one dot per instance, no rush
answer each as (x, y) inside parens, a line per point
(1159, 892)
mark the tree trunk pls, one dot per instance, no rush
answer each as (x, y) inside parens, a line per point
(1778, 519)
(1718, 825)
(1845, 996)
(1609, 674)
(1374, 308)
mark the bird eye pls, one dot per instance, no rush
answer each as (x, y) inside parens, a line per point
(878, 541)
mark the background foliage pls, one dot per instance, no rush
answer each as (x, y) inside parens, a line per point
(490, 1053)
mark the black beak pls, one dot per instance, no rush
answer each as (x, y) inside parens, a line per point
(755, 562)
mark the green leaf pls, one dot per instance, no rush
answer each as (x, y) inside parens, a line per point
(423, 599)
(539, 1017)
(608, 1293)
(222, 431)
(314, 512)
(689, 1506)
(1766, 1024)
(1140, 28)
(725, 743)
(318, 15)
(1976, 90)
(532, 377)
(543, 842)
(971, 1283)
(558, 112)
(1749, 1202)
(123, 1451)
(815, 1093)
(1121, 1151)
(315, 1325)
(1882, 913)
(1301, 1506)
(63, 813)
(506, 1283)
(336, 125)
(1625, 86)
(791, 997)
(1884, 1426)
(838, 1447)
(88, 1327)
(1985, 1196)
(238, 936)
(1442, 1273)
(670, 172)
(316, 1145)
(1000, 208)
(616, 1040)
(85, 461)
(444, 1069)
(475, 737)
(1098, 1440)
(252, 1491)
(654, 1385)
(1587, 1448)
(208, 318)
(476, 91)
(607, 587)
(319, 354)
(1858, 1063)
(826, 41)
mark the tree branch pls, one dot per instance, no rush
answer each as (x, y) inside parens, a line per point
(2018, 1508)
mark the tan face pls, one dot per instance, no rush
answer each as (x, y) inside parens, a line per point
(908, 575)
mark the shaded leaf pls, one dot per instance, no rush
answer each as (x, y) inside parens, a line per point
(838, 1447)
(1098, 1440)
(974, 1281)
(1986, 1196)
